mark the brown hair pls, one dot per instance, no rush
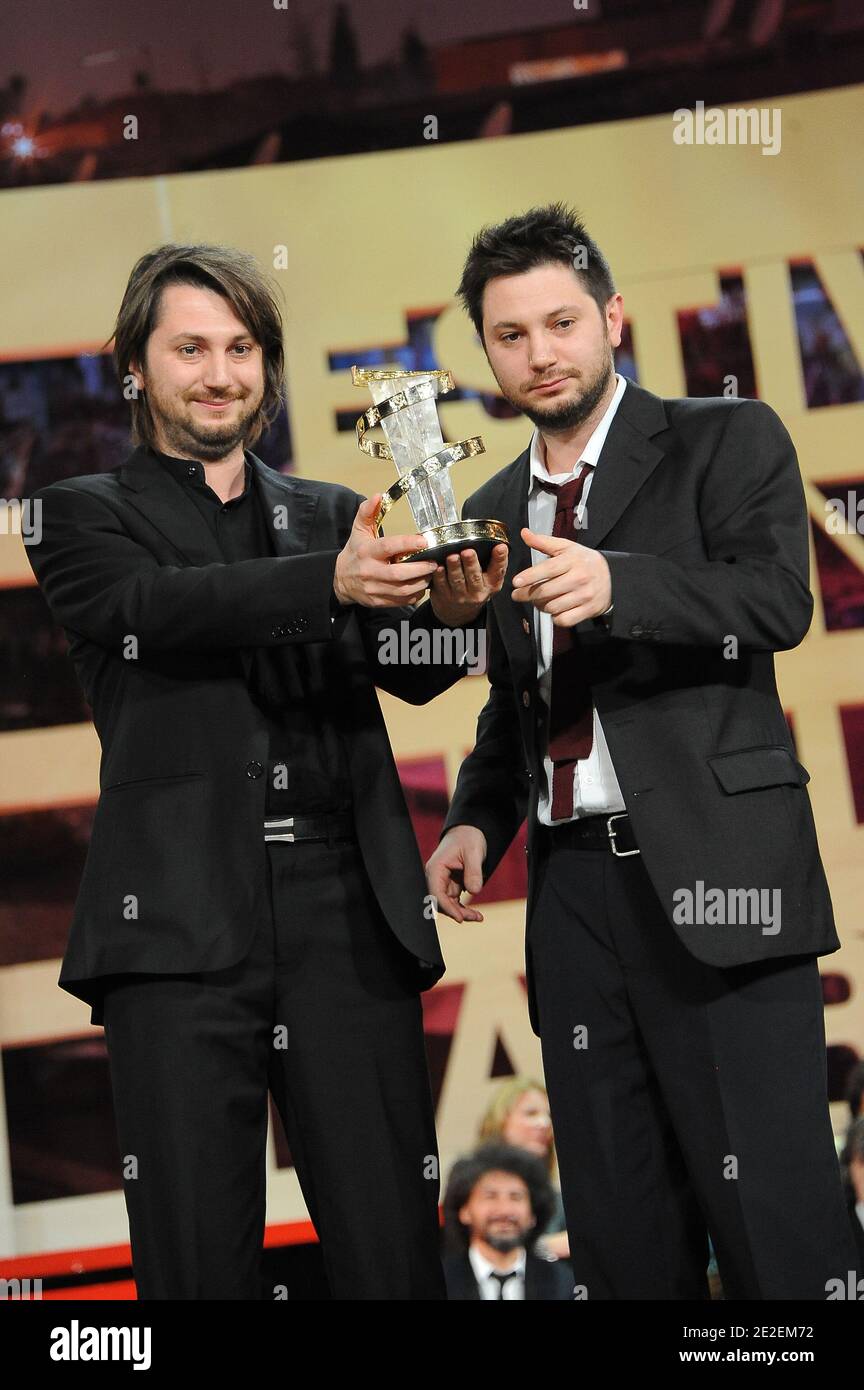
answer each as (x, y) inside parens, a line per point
(236, 276)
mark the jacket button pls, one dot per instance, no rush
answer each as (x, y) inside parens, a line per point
(526, 698)
(254, 769)
(526, 626)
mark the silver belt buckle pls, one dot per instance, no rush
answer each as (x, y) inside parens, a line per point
(619, 853)
(271, 824)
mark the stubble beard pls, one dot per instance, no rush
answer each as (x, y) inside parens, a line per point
(180, 433)
(504, 1244)
(571, 413)
(504, 1240)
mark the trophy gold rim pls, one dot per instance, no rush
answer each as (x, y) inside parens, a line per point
(459, 534)
(361, 375)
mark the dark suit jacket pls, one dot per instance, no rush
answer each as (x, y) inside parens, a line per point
(178, 828)
(699, 510)
(857, 1228)
(547, 1280)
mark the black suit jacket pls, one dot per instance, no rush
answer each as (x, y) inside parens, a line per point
(699, 510)
(547, 1280)
(161, 633)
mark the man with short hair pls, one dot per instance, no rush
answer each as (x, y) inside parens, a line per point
(677, 903)
(252, 912)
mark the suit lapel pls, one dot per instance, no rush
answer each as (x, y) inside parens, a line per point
(469, 1290)
(627, 459)
(163, 502)
(511, 506)
(290, 506)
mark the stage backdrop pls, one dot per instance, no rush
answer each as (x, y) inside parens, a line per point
(732, 264)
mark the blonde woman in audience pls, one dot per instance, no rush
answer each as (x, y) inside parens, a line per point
(518, 1114)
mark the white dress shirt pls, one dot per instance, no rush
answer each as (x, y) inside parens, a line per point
(489, 1288)
(595, 786)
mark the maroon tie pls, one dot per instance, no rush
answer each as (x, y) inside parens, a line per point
(571, 716)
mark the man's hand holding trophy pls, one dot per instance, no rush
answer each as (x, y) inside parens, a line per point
(465, 560)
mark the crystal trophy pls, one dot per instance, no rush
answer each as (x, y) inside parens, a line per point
(404, 406)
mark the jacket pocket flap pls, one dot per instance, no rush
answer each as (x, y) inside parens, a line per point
(746, 769)
(147, 782)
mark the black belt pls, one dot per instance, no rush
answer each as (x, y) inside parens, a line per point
(613, 833)
(335, 825)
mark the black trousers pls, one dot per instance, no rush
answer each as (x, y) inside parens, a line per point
(684, 1098)
(325, 1013)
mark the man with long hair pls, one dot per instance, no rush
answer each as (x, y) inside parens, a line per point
(677, 902)
(252, 913)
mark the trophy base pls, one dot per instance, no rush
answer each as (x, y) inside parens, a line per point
(455, 536)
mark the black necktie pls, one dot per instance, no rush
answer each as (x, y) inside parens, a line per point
(502, 1280)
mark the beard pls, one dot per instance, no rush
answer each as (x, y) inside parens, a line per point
(505, 1243)
(207, 442)
(569, 413)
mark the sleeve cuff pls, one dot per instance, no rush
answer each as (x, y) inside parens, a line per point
(337, 609)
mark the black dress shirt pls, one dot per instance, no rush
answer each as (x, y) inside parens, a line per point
(307, 764)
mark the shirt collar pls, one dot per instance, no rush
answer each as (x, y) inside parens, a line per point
(483, 1268)
(590, 453)
(180, 468)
